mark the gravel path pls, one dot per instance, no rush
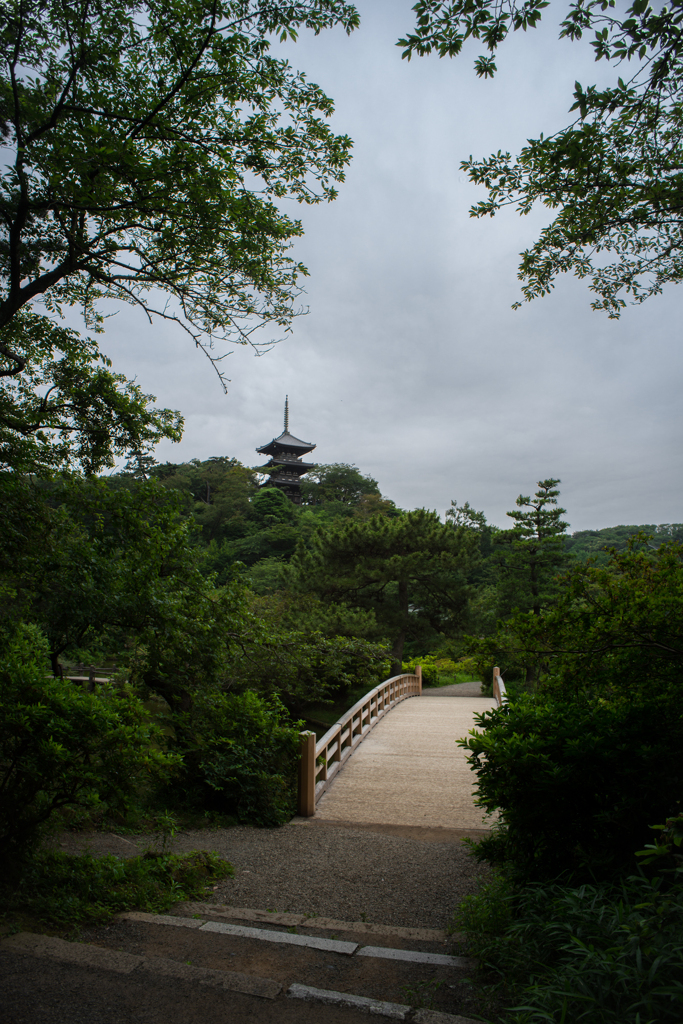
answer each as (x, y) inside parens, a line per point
(453, 690)
(309, 868)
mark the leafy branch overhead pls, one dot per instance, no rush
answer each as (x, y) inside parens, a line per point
(614, 176)
(147, 146)
(68, 408)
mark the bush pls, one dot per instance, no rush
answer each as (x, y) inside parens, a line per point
(68, 890)
(243, 754)
(576, 782)
(61, 746)
(432, 668)
(597, 954)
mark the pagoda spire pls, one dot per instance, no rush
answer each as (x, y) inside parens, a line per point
(286, 465)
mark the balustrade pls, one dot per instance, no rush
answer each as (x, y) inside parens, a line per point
(322, 760)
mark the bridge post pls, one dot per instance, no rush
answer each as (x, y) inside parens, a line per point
(307, 775)
(418, 673)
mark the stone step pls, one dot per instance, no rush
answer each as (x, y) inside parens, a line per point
(293, 937)
(434, 939)
(411, 978)
(47, 980)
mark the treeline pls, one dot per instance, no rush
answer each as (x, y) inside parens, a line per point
(597, 543)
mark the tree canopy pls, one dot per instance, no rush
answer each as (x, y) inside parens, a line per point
(67, 409)
(338, 482)
(394, 566)
(614, 176)
(146, 145)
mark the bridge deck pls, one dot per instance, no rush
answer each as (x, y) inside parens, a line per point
(409, 771)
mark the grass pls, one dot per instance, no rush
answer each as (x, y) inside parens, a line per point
(449, 678)
(59, 889)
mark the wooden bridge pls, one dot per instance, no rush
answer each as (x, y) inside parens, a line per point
(393, 759)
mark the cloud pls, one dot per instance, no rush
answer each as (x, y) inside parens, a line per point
(411, 363)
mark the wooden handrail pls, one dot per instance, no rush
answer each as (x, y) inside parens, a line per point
(499, 691)
(322, 760)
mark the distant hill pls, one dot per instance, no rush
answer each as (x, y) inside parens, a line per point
(585, 543)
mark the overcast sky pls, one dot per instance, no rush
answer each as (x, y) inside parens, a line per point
(411, 363)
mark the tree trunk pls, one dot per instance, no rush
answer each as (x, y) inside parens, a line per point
(535, 586)
(397, 649)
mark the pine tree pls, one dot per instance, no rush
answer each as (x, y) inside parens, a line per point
(533, 551)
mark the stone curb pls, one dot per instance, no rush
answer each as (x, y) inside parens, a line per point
(213, 910)
(328, 945)
(415, 957)
(169, 919)
(437, 1017)
(73, 952)
(311, 941)
(375, 1006)
(85, 955)
(223, 928)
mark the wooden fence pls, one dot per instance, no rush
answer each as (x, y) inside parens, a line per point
(499, 691)
(322, 760)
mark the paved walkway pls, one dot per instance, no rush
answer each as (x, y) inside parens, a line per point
(409, 770)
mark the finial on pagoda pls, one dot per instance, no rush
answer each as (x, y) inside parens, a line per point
(286, 465)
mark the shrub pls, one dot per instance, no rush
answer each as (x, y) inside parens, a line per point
(243, 753)
(576, 782)
(596, 954)
(68, 890)
(432, 668)
(61, 746)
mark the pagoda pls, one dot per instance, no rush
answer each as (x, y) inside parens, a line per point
(285, 466)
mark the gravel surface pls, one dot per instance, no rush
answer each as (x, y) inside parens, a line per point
(454, 690)
(307, 868)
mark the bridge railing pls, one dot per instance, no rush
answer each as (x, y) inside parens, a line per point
(499, 691)
(321, 760)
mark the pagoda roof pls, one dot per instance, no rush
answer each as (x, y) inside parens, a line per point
(287, 441)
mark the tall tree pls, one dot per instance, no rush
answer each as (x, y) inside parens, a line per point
(616, 627)
(146, 145)
(615, 174)
(531, 554)
(398, 567)
(339, 485)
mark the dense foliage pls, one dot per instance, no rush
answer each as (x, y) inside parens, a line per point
(146, 148)
(66, 407)
(403, 569)
(597, 544)
(613, 628)
(576, 780)
(62, 747)
(581, 923)
(592, 954)
(242, 751)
